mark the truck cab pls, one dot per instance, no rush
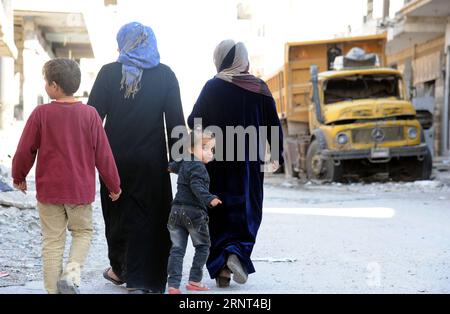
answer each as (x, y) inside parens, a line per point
(367, 121)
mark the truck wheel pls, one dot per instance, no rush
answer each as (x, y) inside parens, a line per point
(413, 169)
(421, 169)
(319, 169)
(427, 166)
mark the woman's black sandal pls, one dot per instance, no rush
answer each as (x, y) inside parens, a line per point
(223, 281)
(107, 277)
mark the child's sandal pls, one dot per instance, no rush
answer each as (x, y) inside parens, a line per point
(174, 290)
(199, 287)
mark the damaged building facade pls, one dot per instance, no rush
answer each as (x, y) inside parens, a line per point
(419, 45)
(32, 32)
(8, 55)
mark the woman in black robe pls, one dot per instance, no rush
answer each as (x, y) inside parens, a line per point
(138, 96)
(235, 98)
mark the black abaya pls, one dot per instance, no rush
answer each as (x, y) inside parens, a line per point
(136, 225)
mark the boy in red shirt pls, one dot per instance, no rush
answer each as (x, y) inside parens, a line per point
(71, 142)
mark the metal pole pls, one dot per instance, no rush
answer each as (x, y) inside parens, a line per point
(445, 113)
(386, 6)
(316, 98)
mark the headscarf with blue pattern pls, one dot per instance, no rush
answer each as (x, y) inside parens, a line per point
(138, 51)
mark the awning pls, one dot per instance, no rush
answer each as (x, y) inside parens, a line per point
(65, 32)
(7, 46)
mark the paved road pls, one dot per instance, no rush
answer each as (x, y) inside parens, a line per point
(358, 238)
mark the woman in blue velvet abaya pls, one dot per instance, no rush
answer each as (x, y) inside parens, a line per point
(236, 98)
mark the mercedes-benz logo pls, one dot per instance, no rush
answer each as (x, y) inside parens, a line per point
(378, 135)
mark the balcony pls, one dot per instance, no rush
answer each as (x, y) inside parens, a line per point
(417, 22)
(61, 24)
(426, 8)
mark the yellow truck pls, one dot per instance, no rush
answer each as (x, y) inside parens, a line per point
(344, 114)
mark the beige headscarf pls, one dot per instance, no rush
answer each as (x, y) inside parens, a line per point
(231, 60)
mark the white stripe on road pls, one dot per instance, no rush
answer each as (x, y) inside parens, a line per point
(362, 212)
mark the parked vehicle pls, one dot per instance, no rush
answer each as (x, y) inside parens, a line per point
(343, 113)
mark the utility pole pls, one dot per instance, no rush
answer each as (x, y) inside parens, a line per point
(386, 5)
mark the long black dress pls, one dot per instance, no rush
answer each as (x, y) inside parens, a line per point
(136, 225)
(234, 225)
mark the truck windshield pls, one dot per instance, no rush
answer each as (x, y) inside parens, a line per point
(361, 87)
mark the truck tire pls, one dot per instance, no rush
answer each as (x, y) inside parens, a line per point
(427, 165)
(414, 169)
(319, 169)
(421, 169)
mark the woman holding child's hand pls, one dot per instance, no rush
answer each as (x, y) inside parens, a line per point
(140, 99)
(235, 98)
(215, 202)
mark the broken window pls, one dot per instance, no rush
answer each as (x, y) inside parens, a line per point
(361, 87)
